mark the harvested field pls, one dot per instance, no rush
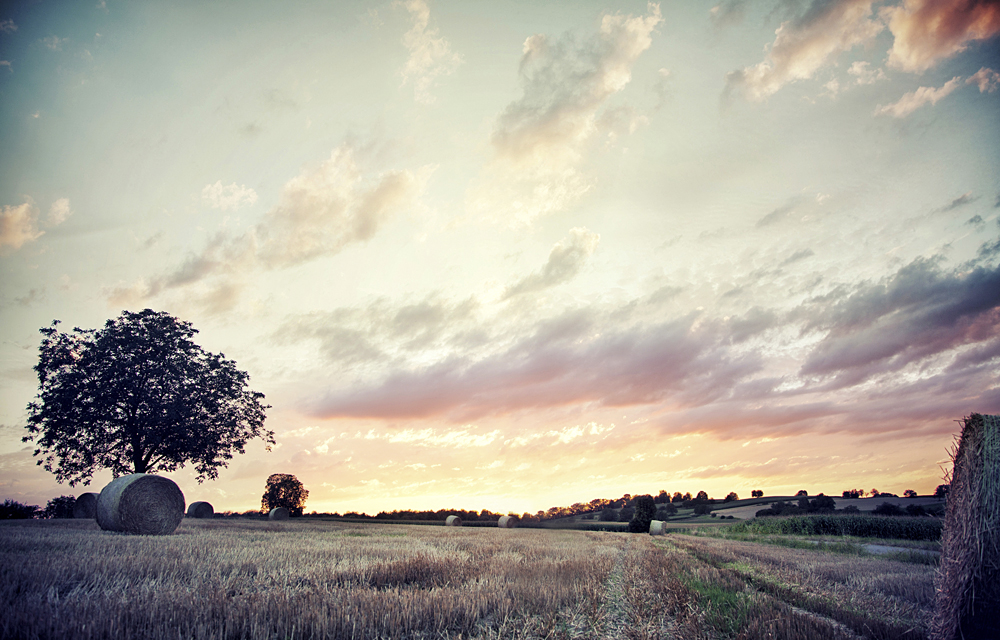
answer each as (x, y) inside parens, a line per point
(301, 579)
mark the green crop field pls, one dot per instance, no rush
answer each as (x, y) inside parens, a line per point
(302, 579)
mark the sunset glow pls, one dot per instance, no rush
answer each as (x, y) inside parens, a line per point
(520, 255)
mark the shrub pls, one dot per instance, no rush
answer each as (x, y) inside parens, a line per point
(866, 526)
(609, 515)
(13, 510)
(731, 497)
(625, 515)
(61, 507)
(801, 492)
(702, 509)
(645, 509)
(910, 493)
(887, 509)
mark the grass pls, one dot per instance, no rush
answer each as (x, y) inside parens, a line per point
(229, 579)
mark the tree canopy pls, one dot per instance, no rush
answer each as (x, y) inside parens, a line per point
(139, 396)
(284, 490)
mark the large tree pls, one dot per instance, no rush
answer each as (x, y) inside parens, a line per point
(139, 396)
(284, 490)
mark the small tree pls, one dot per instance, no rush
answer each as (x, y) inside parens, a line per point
(853, 493)
(801, 492)
(731, 497)
(678, 497)
(284, 490)
(757, 493)
(702, 508)
(61, 507)
(139, 396)
(942, 491)
(702, 496)
(13, 510)
(626, 513)
(608, 515)
(910, 493)
(645, 509)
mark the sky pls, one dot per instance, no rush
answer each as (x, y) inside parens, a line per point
(515, 255)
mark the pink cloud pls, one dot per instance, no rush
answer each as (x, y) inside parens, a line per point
(927, 31)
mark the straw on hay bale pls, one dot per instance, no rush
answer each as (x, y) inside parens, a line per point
(86, 506)
(968, 582)
(453, 521)
(278, 513)
(657, 527)
(141, 503)
(200, 509)
(507, 522)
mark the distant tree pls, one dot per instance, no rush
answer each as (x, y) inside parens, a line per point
(910, 493)
(13, 510)
(61, 507)
(686, 497)
(731, 497)
(702, 508)
(801, 492)
(702, 496)
(139, 396)
(284, 490)
(608, 515)
(854, 493)
(942, 491)
(662, 497)
(757, 493)
(678, 497)
(822, 503)
(915, 510)
(874, 493)
(626, 513)
(804, 503)
(887, 509)
(645, 509)
(666, 511)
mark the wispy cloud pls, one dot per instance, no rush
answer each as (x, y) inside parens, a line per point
(430, 55)
(19, 225)
(728, 13)
(59, 212)
(913, 100)
(960, 201)
(7, 26)
(567, 258)
(927, 31)
(986, 79)
(54, 42)
(230, 197)
(540, 138)
(806, 44)
(321, 211)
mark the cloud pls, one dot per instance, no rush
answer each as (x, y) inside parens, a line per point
(7, 26)
(918, 312)
(430, 55)
(960, 201)
(228, 198)
(804, 45)
(59, 212)
(913, 100)
(320, 212)
(19, 225)
(54, 42)
(927, 31)
(864, 75)
(728, 13)
(986, 79)
(539, 139)
(6, 63)
(567, 258)
(384, 333)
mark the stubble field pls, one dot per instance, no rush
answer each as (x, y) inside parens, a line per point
(301, 579)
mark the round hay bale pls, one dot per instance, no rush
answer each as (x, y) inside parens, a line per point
(141, 503)
(200, 510)
(453, 521)
(85, 506)
(657, 527)
(507, 522)
(278, 513)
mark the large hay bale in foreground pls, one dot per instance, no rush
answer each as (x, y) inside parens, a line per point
(141, 503)
(968, 582)
(657, 527)
(200, 509)
(507, 522)
(278, 513)
(85, 506)
(453, 521)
